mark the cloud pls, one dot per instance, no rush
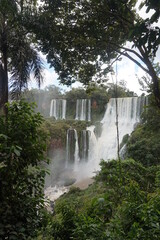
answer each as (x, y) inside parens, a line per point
(128, 71)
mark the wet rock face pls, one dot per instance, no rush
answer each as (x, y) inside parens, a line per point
(94, 104)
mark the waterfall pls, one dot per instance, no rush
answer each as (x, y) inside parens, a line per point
(85, 150)
(129, 111)
(58, 108)
(72, 149)
(89, 110)
(76, 154)
(64, 103)
(77, 149)
(83, 109)
(92, 142)
(84, 145)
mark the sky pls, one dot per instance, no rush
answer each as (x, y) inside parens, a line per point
(126, 70)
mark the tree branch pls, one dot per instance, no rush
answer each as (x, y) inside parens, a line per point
(135, 61)
(117, 58)
(124, 53)
(133, 51)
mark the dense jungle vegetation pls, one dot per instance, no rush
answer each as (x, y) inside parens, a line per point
(78, 39)
(123, 201)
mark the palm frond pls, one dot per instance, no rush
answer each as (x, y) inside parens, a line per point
(37, 68)
(25, 62)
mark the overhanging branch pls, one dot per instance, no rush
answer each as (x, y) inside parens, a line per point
(134, 52)
(135, 61)
(125, 53)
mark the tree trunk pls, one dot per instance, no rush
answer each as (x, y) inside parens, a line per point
(3, 89)
(4, 70)
(153, 75)
(155, 89)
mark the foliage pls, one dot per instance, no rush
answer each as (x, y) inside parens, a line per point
(22, 150)
(119, 90)
(18, 56)
(76, 93)
(94, 33)
(89, 36)
(98, 95)
(143, 145)
(57, 129)
(130, 171)
(110, 208)
(99, 98)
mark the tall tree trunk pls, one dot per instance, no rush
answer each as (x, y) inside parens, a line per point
(3, 89)
(4, 70)
(117, 126)
(156, 87)
(153, 75)
(3, 86)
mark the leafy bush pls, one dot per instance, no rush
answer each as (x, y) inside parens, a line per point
(22, 149)
(138, 217)
(144, 146)
(144, 143)
(121, 205)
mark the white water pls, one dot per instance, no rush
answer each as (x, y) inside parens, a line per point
(52, 193)
(89, 109)
(84, 144)
(76, 154)
(92, 144)
(83, 110)
(129, 111)
(58, 108)
(105, 147)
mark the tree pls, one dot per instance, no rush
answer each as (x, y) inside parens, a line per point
(95, 32)
(18, 56)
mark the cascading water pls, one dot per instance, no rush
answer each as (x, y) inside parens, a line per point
(76, 154)
(77, 150)
(64, 103)
(83, 110)
(58, 108)
(129, 111)
(89, 110)
(72, 152)
(105, 146)
(84, 145)
(92, 142)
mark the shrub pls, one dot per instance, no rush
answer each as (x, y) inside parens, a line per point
(22, 149)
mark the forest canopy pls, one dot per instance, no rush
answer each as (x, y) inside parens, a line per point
(77, 37)
(95, 32)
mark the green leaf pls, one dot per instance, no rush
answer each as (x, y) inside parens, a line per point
(3, 136)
